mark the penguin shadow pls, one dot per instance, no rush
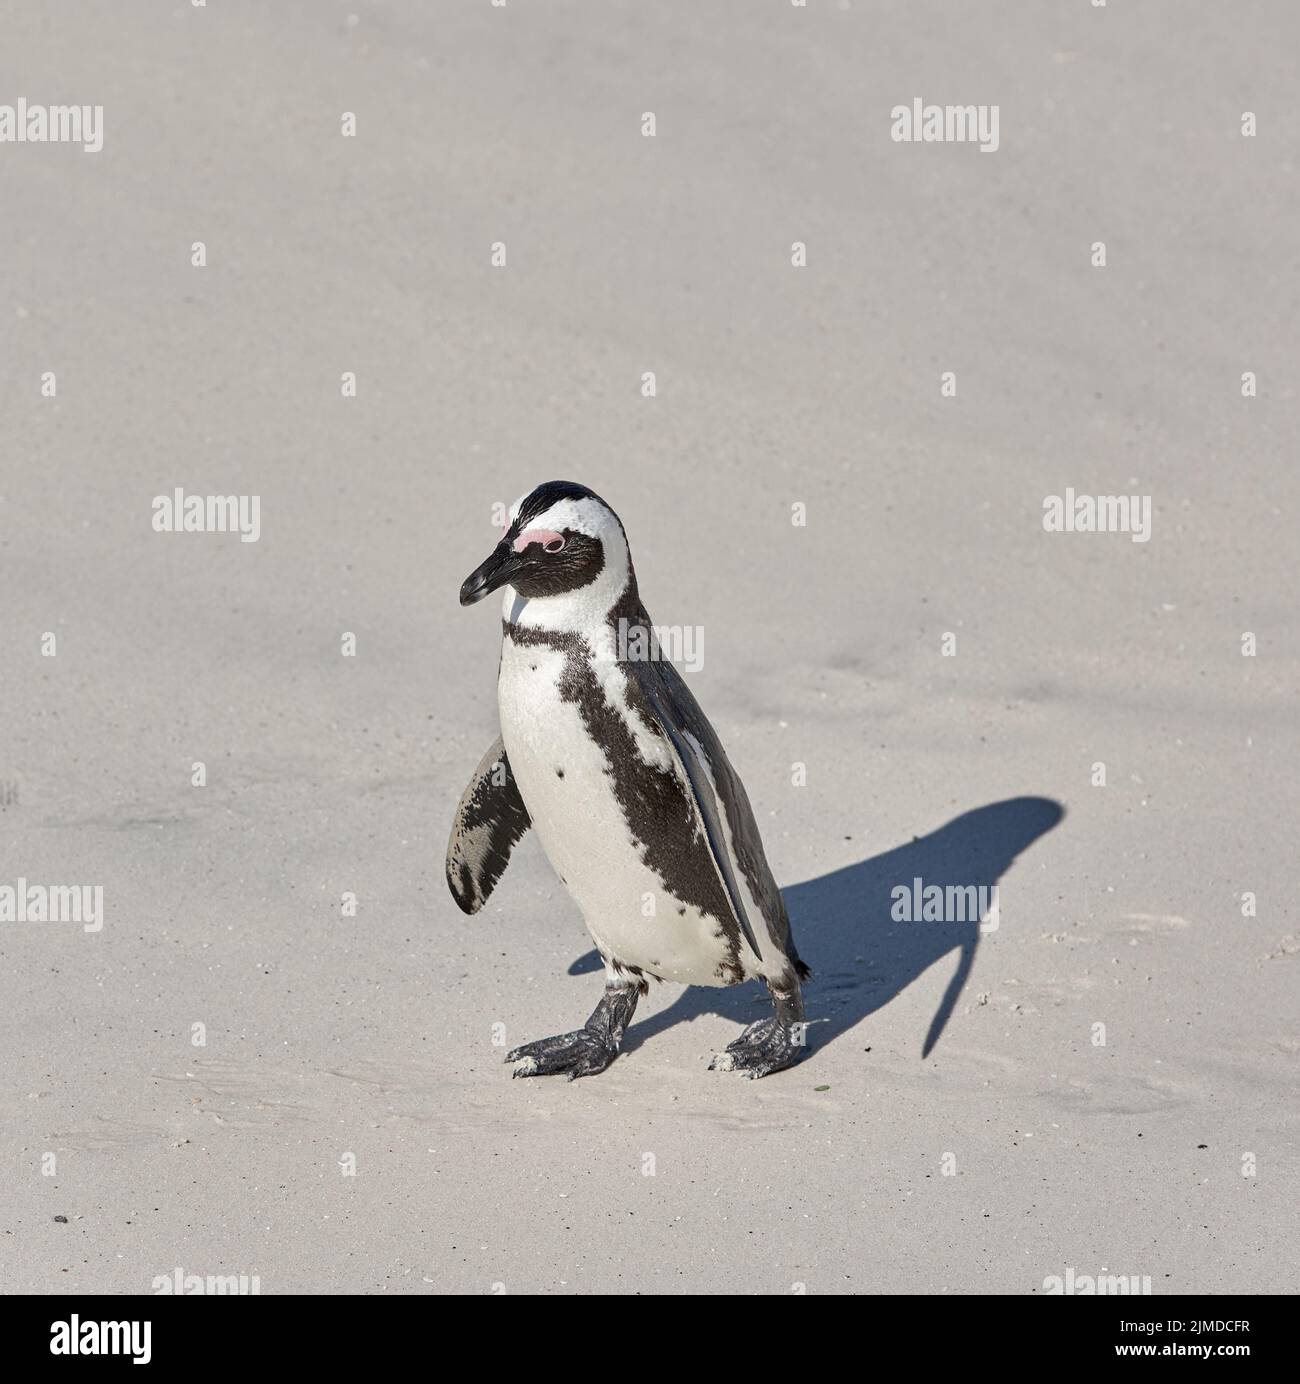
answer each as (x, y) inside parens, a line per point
(843, 924)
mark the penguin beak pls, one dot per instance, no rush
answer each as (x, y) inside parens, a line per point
(500, 566)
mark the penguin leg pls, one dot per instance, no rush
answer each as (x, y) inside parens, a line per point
(771, 1043)
(588, 1051)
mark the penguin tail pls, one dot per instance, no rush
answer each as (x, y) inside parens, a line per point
(802, 969)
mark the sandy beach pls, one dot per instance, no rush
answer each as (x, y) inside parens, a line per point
(839, 483)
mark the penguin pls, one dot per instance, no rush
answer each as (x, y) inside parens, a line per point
(611, 761)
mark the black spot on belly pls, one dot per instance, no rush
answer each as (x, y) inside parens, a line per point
(681, 912)
(559, 773)
(533, 666)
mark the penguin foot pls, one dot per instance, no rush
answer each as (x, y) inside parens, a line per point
(588, 1051)
(766, 1046)
(773, 1043)
(576, 1054)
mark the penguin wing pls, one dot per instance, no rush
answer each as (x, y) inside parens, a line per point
(491, 817)
(721, 805)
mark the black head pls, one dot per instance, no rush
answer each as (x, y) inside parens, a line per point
(562, 538)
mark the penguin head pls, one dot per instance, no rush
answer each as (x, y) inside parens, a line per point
(563, 552)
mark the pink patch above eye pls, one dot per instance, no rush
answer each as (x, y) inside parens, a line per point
(550, 540)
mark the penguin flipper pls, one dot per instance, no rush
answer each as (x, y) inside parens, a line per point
(723, 810)
(490, 818)
(690, 758)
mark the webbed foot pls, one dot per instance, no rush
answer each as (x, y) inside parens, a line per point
(587, 1051)
(575, 1054)
(771, 1044)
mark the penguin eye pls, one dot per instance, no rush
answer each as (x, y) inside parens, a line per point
(554, 546)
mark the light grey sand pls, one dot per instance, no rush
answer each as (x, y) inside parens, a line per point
(373, 1036)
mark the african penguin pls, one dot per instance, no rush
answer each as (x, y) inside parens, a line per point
(612, 762)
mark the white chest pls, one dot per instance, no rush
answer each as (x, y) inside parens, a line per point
(566, 783)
